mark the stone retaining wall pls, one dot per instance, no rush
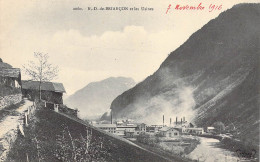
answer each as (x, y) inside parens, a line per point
(9, 100)
(6, 142)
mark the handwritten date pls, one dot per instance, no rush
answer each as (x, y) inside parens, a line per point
(199, 7)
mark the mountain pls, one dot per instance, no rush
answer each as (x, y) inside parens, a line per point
(213, 76)
(94, 99)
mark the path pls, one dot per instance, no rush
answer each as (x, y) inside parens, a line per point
(8, 127)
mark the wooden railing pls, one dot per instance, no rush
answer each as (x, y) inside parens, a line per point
(26, 118)
(29, 113)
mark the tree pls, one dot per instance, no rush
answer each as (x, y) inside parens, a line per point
(41, 70)
(219, 126)
(84, 147)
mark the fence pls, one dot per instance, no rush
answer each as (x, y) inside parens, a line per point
(12, 125)
(29, 113)
(26, 118)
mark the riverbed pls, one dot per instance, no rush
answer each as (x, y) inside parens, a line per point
(208, 151)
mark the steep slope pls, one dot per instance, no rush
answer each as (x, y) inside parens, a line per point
(57, 137)
(95, 99)
(212, 77)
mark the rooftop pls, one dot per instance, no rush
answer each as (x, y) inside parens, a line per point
(105, 125)
(127, 126)
(4, 65)
(195, 128)
(10, 72)
(164, 129)
(46, 86)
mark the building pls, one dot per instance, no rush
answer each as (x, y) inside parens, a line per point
(111, 128)
(130, 133)
(169, 132)
(196, 131)
(10, 77)
(119, 123)
(51, 93)
(211, 130)
(127, 130)
(10, 85)
(141, 128)
(153, 128)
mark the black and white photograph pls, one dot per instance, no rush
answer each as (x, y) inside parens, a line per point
(129, 80)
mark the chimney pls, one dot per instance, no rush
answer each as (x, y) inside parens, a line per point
(163, 120)
(111, 117)
(170, 121)
(184, 119)
(176, 120)
(181, 121)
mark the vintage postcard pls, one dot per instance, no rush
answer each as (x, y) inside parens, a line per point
(129, 80)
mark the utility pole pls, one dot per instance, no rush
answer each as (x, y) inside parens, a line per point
(163, 120)
(111, 117)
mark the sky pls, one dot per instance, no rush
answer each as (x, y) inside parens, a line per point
(90, 46)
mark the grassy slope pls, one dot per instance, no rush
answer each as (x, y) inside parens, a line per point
(48, 125)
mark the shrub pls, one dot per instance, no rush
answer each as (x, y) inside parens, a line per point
(8, 90)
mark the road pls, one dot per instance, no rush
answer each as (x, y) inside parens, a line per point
(10, 120)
